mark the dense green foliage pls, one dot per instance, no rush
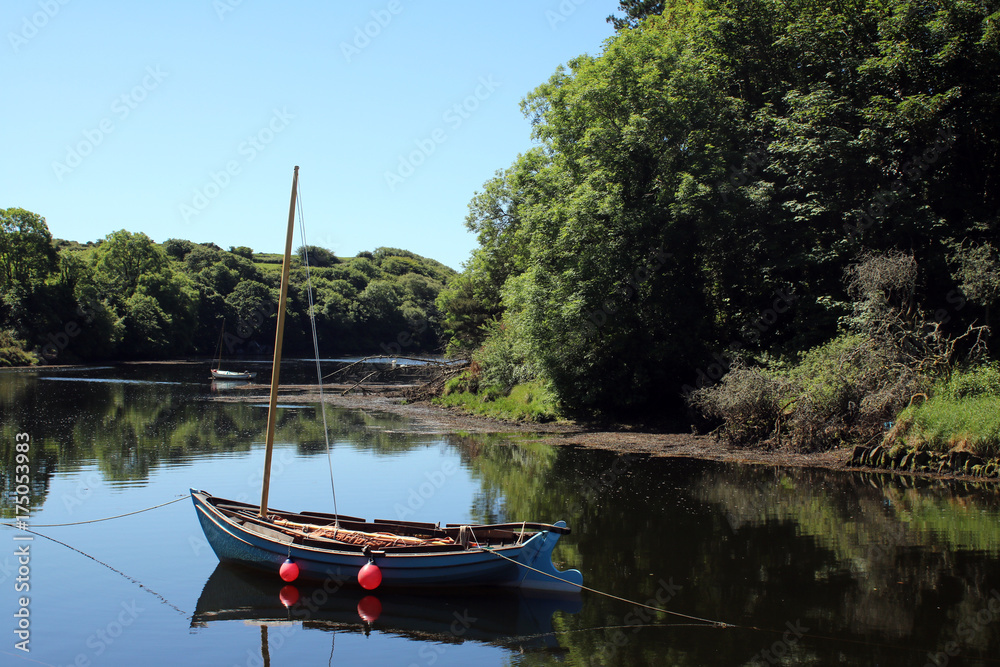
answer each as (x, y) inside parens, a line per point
(126, 297)
(531, 401)
(699, 189)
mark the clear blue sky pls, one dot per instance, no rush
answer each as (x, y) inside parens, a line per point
(183, 119)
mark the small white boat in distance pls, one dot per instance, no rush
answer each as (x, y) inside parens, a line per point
(232, 375)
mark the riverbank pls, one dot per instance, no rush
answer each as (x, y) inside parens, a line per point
(622, 438)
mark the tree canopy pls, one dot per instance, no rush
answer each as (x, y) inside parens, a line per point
(129, 297)
(699, 188)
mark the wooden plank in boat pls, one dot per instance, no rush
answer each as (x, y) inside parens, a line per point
(269, 533)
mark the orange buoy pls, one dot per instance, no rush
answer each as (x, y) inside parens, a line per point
(289, 571)
(370, 576)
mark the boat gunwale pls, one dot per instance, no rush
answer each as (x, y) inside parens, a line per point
(330, 546)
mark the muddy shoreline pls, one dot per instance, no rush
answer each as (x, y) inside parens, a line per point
(624, 439)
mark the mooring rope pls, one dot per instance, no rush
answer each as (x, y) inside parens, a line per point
(115, 570)
(83, 553)
(702, 622)
(107, 518)
(718, 624)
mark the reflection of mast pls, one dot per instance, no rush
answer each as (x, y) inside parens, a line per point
(264, 650)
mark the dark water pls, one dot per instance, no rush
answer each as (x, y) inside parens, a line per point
(814, 568)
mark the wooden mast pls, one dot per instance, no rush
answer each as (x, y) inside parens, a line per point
(272, 408)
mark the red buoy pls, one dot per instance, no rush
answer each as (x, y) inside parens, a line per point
(370, 577)
(369, 609)
(289, 571)
(288, 595)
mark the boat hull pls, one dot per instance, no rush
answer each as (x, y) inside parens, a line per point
(527, 566)
(232, 375)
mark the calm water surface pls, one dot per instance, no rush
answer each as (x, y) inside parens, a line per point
(814, 568)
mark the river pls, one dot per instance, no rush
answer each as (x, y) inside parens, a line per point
(805, 567)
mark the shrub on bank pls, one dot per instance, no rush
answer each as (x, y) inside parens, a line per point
(839, 392)
(12, 352)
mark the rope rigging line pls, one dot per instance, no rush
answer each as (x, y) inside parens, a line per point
(718, 624)
(315, 341)
(107, 518)
(702, 622)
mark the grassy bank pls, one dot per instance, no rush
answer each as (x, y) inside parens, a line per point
(525, 402)
(962, 412)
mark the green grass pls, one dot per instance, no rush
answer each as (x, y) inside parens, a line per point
(944, 422)
(525, 402)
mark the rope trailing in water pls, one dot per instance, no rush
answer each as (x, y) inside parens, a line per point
(117, 571)
(718, 624)
(107, 518)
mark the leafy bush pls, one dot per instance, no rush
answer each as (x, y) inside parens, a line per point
(983, 380)
(747, 400)
(501, 361)
(12, 352)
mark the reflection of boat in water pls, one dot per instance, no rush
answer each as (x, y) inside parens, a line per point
(508, 618)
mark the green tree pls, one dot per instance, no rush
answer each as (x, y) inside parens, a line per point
(121, 261)
(27, 255)
(317, 256)
(177, 248)
(718, 162)
(242, 251)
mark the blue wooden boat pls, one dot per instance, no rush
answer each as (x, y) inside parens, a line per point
(335, 548)
(512, 555)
